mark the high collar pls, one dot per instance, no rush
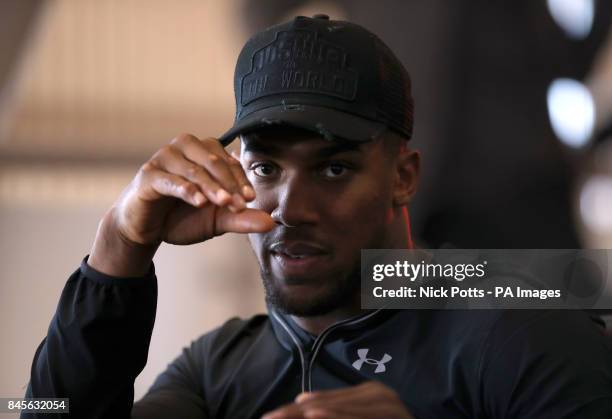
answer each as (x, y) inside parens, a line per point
(290, 334)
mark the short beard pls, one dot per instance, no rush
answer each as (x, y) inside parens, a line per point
(341, 290)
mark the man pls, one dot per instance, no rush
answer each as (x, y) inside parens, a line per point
(324, 111)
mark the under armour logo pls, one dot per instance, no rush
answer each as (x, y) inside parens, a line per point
(380, 365)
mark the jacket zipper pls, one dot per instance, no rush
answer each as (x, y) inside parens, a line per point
(318, 343)
(297, 343)
(316, 346)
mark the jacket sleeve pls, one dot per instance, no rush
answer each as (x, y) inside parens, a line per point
(97, 343)
(556, 364)
(178, 392)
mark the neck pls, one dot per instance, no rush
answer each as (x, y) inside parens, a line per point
(317, 324)
(399, 238)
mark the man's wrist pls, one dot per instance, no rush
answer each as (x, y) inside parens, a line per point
(114, 255)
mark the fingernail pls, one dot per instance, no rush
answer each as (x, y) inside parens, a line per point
(248, 192)
(223, 196)
(198, 198)
(232, 208)
(238, 201)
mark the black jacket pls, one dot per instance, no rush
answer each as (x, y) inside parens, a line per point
(443, 363)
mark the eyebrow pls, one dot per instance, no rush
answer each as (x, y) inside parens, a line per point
(257, 146)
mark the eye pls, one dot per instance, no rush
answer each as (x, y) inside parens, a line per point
(263, 169)
(334, 170)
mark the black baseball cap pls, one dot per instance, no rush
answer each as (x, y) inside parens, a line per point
(332, 77)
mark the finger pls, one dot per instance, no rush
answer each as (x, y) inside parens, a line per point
(210, 154)
(244, 184)
(322, 413)
(302, 397)
(364, 400)
(345, 392)
(342, 411)
(290, 411)
(172, 160)
(371, 411)
(247, 221)
(327, 410)
(246, 188)
(168, 184)
(349, 398)
(357, 390)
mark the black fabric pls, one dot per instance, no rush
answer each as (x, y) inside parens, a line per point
(443, 364)
(308, 72)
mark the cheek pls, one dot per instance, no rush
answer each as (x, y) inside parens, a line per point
(360, 216)
(365, 200)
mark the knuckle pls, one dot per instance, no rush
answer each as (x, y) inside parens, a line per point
(193, 170)
(185, 188)
(181, 139)
(162, 152)
(149, 166)
(164, 183)
(213, 158)
(218, 164)
(167, 149)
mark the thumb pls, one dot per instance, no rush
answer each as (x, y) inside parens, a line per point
(247, 221)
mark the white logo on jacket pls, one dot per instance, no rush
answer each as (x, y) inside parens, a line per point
(380, 365)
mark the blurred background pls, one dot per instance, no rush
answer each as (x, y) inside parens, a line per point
(513, 117)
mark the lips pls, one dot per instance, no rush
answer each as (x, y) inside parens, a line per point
(297, 249)
(298, 259)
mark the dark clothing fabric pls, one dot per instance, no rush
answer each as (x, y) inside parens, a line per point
(442, 363)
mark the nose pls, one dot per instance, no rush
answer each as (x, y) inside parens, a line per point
(296, 203)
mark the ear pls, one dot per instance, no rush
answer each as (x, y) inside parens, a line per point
(407, 166)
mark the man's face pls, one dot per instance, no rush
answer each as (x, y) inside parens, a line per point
(329, 200)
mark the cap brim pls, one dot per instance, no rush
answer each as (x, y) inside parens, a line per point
(329, 123)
